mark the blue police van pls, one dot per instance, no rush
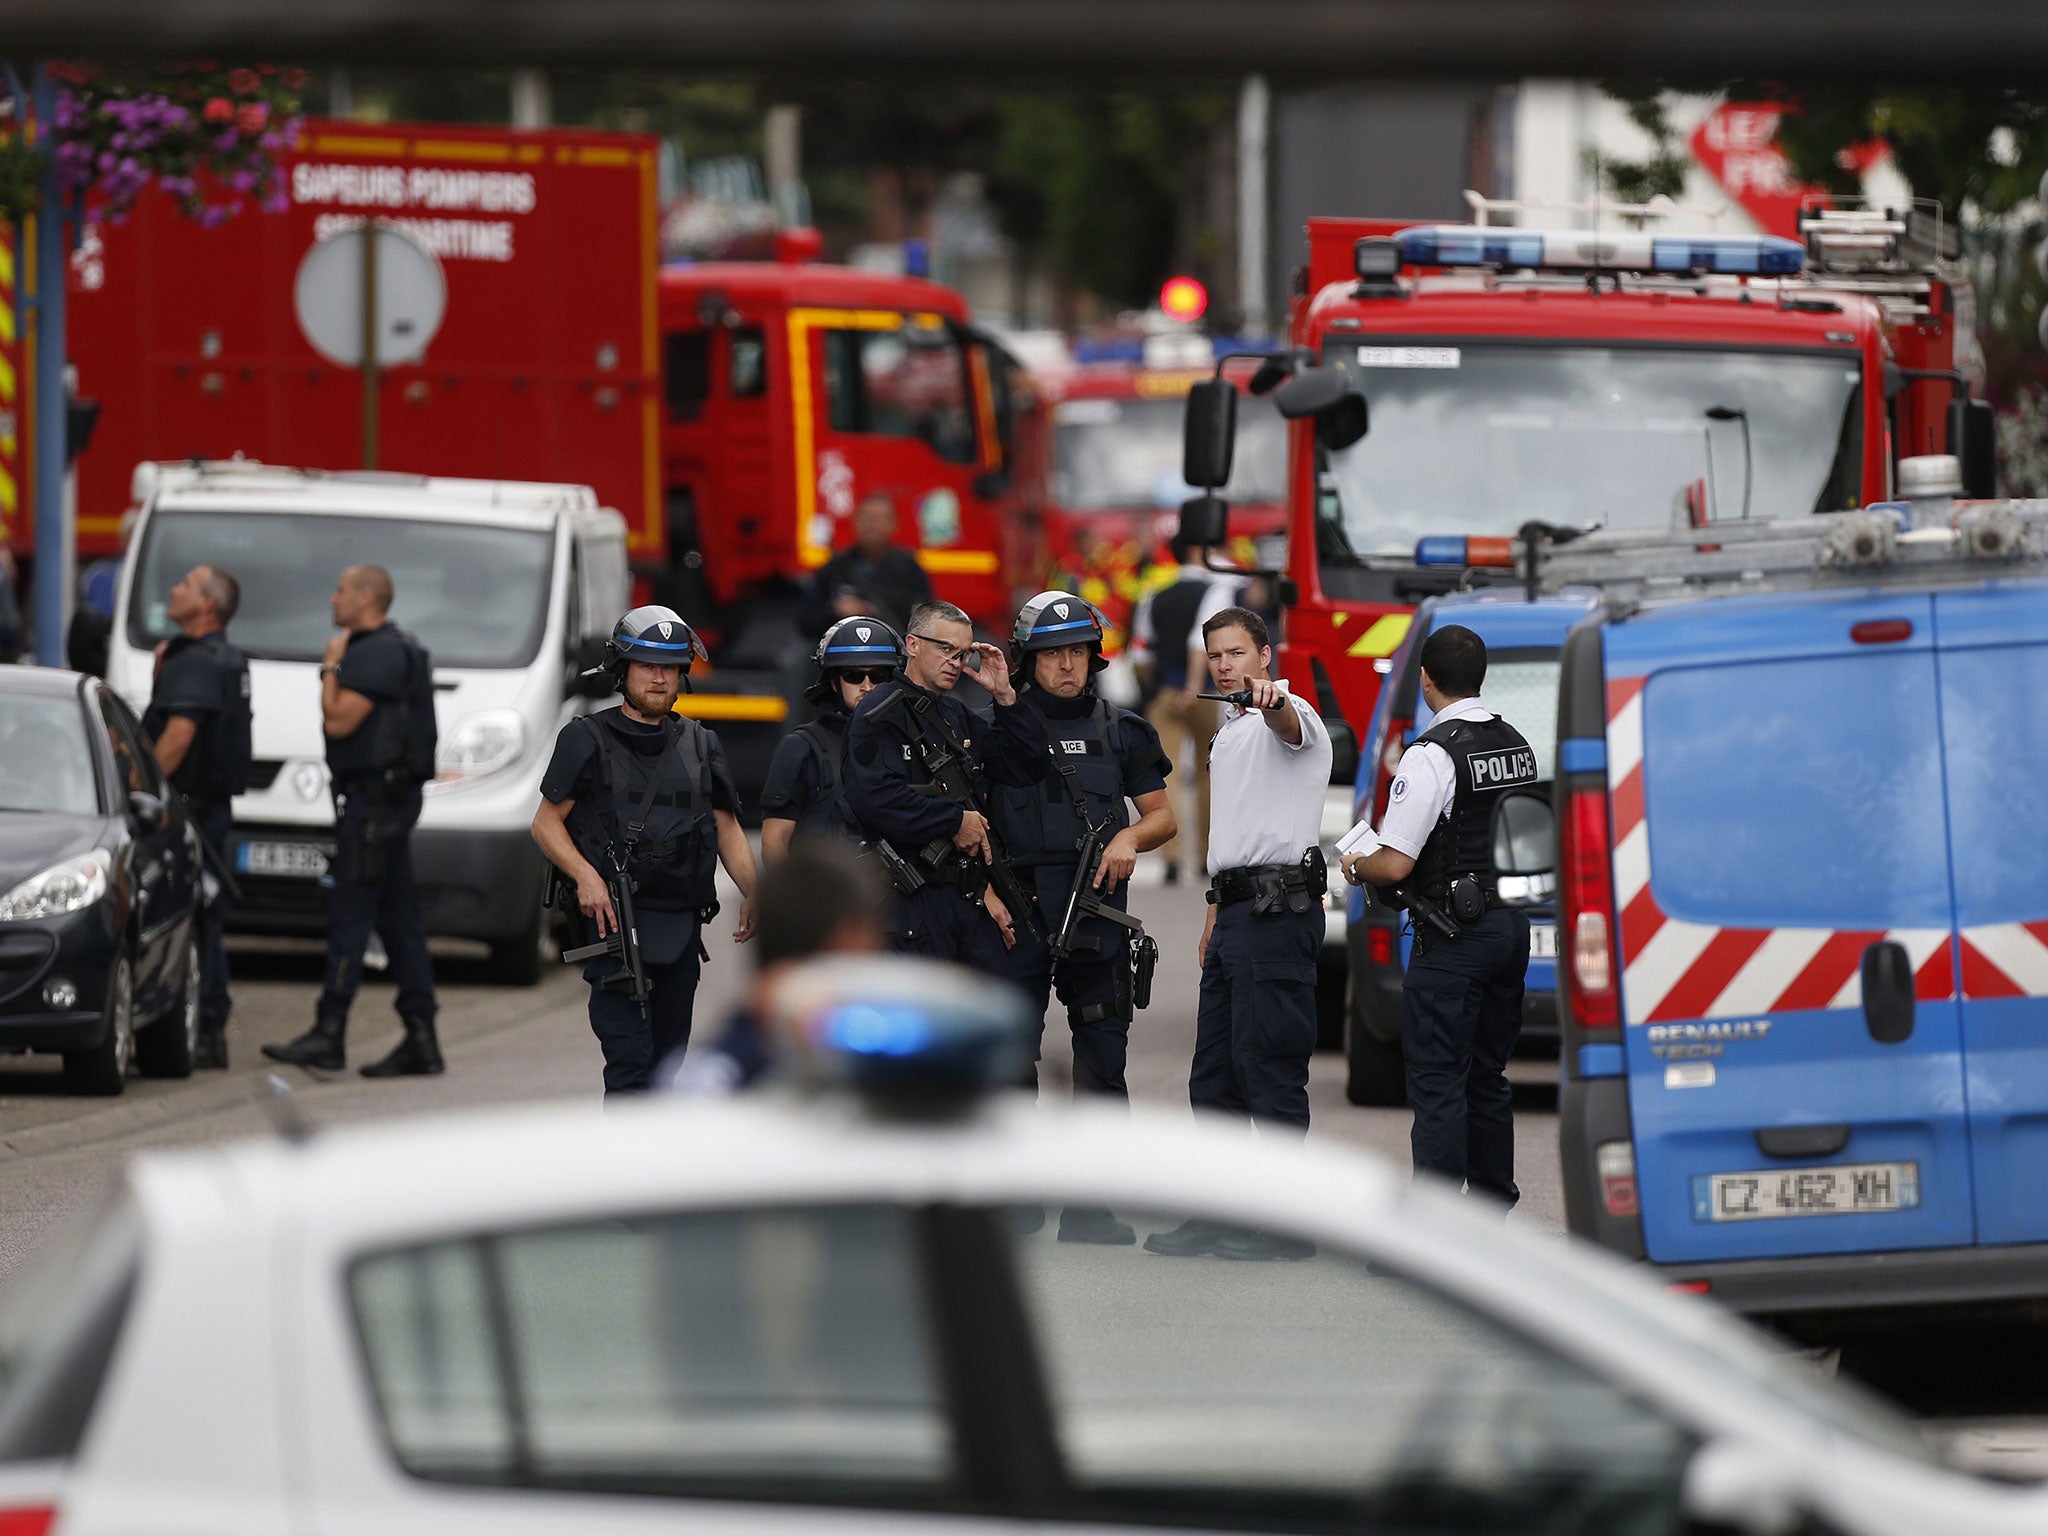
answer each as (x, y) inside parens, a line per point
(1802, 816)
(1524, 637)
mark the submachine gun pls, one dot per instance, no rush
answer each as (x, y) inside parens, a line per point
(946, 762)
(622, 943)
(1083, 902)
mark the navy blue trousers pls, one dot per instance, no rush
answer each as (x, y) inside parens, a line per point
(1100, 1047)
(216, 825)
(634, 1046)
(937, 922)
(370, 885)
(1255, 1028)
(1461, 1011)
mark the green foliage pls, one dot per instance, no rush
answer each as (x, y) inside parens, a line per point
(1663, 173)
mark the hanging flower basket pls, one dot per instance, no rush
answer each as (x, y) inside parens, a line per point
(208, 135)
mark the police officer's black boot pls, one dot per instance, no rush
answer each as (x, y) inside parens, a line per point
(417, 1055)
(1085, 1224)
(319, 1047)
(211, 1054)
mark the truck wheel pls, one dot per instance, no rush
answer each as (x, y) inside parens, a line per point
(103, 1070)
(1373, 1070)
(167, 1047)
(515, 962)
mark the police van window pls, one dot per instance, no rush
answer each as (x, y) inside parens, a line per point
(686, 373)
(772, 1354)
(474, 594)
(1797, 793)
(910, 382)
(1522, 690)
(1326, 1396)
(60, 1318)
(746, 376)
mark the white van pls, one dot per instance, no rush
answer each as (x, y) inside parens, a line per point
(510, 586)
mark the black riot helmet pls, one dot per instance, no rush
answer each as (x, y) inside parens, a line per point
(857, 642)
(652, 634)
(1051, 620)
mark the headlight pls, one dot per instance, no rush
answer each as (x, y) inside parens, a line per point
(483, 743)
(68, 887)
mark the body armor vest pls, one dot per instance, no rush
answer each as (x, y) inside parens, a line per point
(1489, 758)
(1039, 823)
(826, 813)
(673, 861)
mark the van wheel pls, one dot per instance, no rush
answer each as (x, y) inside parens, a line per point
(103, 1070)
(1374, 1073)
(515, 962)
(168, 1046)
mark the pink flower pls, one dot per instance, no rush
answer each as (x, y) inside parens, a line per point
(250, 117)
(219, 110)
(243, 82)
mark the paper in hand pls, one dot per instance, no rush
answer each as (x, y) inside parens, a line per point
(1361, 840)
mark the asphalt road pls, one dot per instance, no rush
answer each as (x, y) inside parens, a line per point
(507, 1044)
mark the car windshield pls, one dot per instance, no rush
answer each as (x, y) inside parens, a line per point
(1481, 439)
(1112, 455)
(45, 757)
(475, 596)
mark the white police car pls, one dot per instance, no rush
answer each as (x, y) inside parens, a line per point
(811, 1310)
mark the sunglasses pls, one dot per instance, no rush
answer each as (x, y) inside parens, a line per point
(877, 675)
(949, 652)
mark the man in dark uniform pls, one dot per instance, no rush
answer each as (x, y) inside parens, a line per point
(1167, 629)
(640, 793)
(1461, 1001)
(377, 709)
(874, 576)
(895, 737)
(805, 796)
(198, 719)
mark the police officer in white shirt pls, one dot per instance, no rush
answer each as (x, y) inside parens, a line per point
(1256, 1027)
(1461, 1000)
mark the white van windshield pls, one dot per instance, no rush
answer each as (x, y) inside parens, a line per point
(475, 596)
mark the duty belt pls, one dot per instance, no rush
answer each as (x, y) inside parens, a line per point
(1296, 886)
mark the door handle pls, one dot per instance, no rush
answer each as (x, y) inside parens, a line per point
(1802, 1140)
(1888, 992)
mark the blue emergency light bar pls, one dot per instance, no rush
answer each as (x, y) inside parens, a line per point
(1468, 245)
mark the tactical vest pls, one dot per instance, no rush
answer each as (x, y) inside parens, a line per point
(1173, 627)
(217, 767)
(1040, 823)
(932, 726)
(1489, 758)
(826, 814)
(673, 861)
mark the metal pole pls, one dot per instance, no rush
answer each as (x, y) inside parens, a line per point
(371, 373)
(53, 529)
(1254, 110)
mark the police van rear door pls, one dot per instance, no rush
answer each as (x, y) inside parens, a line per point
(1776, 772)
(1993, 662)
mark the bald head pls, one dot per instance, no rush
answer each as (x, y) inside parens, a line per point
(362, 597)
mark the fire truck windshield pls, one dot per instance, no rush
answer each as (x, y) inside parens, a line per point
(1481, 439)
(476, 595)
(1113, 455)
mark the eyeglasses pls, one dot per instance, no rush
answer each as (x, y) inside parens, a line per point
(946, 652)
(875, 675)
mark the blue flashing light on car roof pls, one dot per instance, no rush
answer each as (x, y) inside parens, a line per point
(1440, 549)
(895, 1026)
(1471, 245)
(1120, 349)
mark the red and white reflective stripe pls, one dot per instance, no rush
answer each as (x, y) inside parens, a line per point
(1675, 970)
(2005, 960)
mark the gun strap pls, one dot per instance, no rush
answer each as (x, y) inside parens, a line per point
(693, 769)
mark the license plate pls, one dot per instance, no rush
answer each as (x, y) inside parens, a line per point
(293, 861)
(1849, 1189)
(1543, 941)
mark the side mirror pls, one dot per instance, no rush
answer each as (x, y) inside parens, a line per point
(1741, 1486)
(1343, 750)
(1326, 395)
(147, 811)
(1973, 439)
(1525, 851)
(586, 656)
(1204, 522)
(1209, 434)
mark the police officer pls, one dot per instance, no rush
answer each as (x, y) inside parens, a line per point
(917, 765)
(804, 796)
(198, 719)
(1255, 1027)
(377, 710)
(1107, 757)
(1461, 1001)
(641, 787)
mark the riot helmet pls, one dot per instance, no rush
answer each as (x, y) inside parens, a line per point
(856, 642)
(653, 634)
(1051, 620)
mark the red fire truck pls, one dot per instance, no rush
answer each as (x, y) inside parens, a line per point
(545, 367)
(1113, 470)
(1632, 379)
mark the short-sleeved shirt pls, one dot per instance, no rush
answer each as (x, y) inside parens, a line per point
(1425, 783)
(572, 772)
(188, 688)
(378, 664)
(794, 782)
(1265, 793)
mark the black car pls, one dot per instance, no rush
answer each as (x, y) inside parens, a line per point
(99, 887)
